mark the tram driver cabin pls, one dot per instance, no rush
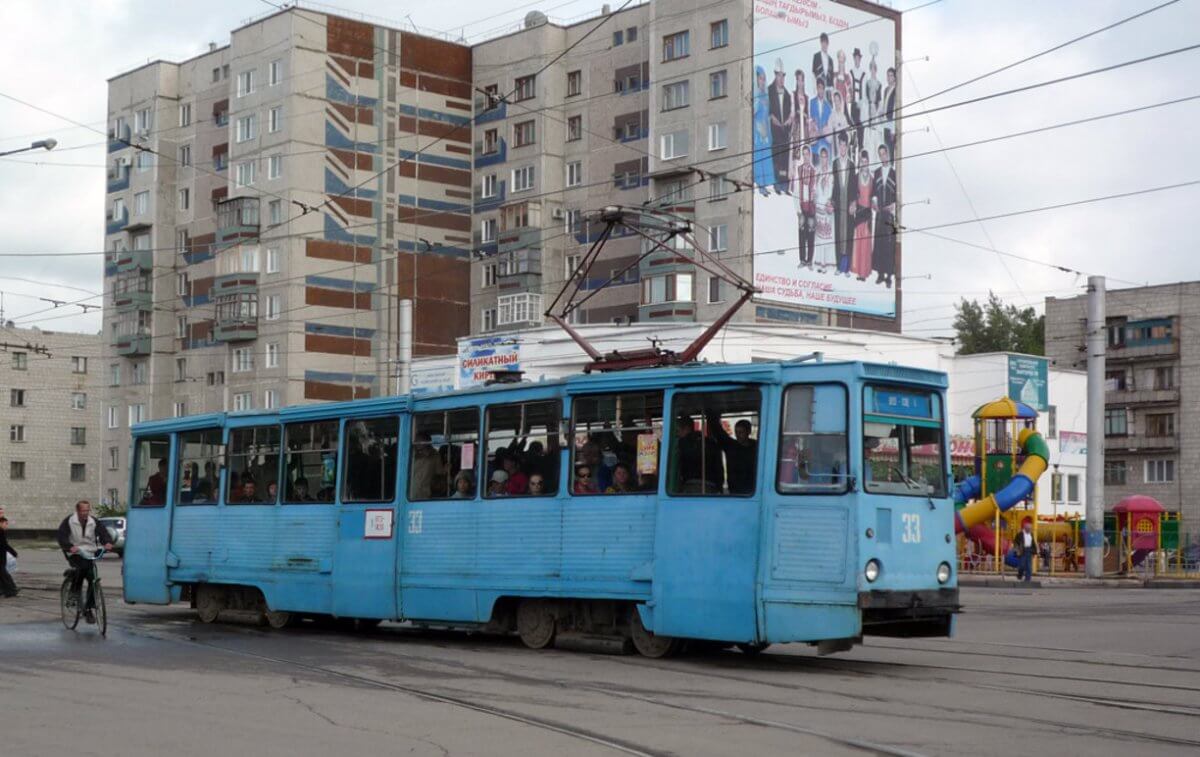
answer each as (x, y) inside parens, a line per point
(739, 504)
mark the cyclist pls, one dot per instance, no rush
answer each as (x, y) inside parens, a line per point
(80, 536)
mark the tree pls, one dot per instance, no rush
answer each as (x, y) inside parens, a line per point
(994, 326)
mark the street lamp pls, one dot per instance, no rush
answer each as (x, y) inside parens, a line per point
(43, 144)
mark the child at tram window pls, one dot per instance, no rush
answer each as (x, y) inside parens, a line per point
(464, 485)
(622, 480)
(497, 487)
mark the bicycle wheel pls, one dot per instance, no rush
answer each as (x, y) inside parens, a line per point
(69, 604)
(100, 610)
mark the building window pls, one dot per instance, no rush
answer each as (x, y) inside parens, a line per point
(487, 319)
(1160, 471)
(574, 83)
(141, 203)
(16, 433)
(274, 307)
(1115, 381)
(16, 470)
(245, 173)
(179, 410)
(571, 265)
(1116, 422)
(718, 84)
(574, 173)
(1051, 422)
(718, 188)
(675, 95)
(274, 166)
(718, 237)
(216, 378)
(491, 141)
(183, 284)
(78, 436)
(274, 72)
(675, 46)
(78, 364)
(574, 221)
(618, 38)
(522, 179)
(16, 398)
(631, 34)
(524, 133)
(216, 74)
(137, 374)
(674, 145)
(1160, 424)
(270, 399)
(272, 260)
(275, 119)
(519, 308)
(1056, 494)
(137, 414)
(181, 369)
(574, 128)
(181, 327)
(489, 275)
(114, 420)
(78, 400)
(78, 472)
(714, 289)
(118, 208)
(114, 458)
(185, 155)
(243, 360)
(185, 114)
(143, 121)
(185, 198)
(672, 287)
(273, 355)
(488, 187)
(1073, 488)
(1114, 472)
(247, 128)
(1164, 377)
(525, 88)
(243, 401)
(245, 83)
(20, 361)
(487, 230)
(718, 34)
(1116, 333)
(275, 212)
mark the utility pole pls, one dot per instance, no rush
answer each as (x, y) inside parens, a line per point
(404, 346)
(1096, 341)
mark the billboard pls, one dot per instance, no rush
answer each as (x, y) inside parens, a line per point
(478, 358)
(1028, 381)
(825, 131)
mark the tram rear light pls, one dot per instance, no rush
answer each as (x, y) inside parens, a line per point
(943, 573)
(871, 572)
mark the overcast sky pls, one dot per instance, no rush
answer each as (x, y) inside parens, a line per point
(60, 59)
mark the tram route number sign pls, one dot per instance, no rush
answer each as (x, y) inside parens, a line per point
(378, 524)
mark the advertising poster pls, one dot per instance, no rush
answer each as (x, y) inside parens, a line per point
(825, 130)
(1072, 443)
(479, 358)
(1028, 381)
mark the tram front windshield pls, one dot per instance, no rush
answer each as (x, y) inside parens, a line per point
(903, 442)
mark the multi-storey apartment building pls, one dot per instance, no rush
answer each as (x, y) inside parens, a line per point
(1152, 388)
(49, 406)
(633, 113)
(269, 202)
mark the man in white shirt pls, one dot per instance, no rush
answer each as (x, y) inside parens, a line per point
(1025, 546)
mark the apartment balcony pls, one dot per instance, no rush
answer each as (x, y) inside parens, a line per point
(1142, 351)
(133, 289)
(237, 219)
(236, 298)
(1140, 443)
(118, 178)
(118, 140)
(522, 238)
(1142, 397)
(131, 333)
(115, 223)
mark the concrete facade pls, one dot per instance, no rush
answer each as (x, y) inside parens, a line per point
(1152, 392)
(50, 406)
(268, 203)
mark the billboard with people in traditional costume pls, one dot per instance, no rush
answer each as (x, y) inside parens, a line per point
(826, 131)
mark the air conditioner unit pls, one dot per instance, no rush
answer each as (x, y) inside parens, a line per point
(557, 214)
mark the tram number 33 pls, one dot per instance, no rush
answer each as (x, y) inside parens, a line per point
(912, 528)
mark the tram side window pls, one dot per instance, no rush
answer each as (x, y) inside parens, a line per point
(370, 454)
(150, 463)
(253, 477)
(201, 454)
(616, 445)
(445, 445)
(310, 466)
(714, 444)
(813, 445)
(524, 446)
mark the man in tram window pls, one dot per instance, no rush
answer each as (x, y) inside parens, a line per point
(249, 489)
(156, 486)
(300, 491)
(699, 470)
(741, 453)
(591, 456)
(425, 467)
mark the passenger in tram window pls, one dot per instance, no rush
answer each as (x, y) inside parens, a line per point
(537, 485)
(518, 482)
(699, 470)
(741, 453)
(300, 491)
(202, 494)
(464, 485)
(497, 486)
(590, 456)
(622, 482)
(426, 466)
(272, 492)
(584, 483)
(249, 490)
(156, 486)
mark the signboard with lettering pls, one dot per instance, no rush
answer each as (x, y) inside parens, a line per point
(479, 358)
(1028, 381)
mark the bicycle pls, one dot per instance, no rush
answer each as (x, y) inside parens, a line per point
(69, 600)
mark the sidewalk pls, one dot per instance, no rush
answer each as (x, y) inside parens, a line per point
(1009, 581)
(42, 569)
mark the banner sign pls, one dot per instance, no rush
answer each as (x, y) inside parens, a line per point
(479, 358)
(1028, 381)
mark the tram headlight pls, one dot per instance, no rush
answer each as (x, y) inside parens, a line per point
(871, 571)
(943, 573)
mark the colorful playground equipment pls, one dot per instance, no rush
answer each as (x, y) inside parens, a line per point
(1139, 523)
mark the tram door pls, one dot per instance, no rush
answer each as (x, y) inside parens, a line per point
(708, 515)
(144, 568)
(364, 565)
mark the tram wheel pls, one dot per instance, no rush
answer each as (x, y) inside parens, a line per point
(278, 619)
(210, 600)
(536, 624)
(647, 643)
(753, 650)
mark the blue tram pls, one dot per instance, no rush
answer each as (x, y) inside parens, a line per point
(738, 504)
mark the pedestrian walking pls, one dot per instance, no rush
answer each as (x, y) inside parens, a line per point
(1026, 546)
(8, 587)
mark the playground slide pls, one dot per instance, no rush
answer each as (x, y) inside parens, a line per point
(1037, 456)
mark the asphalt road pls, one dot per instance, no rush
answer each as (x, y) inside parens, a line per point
(1053, 671)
